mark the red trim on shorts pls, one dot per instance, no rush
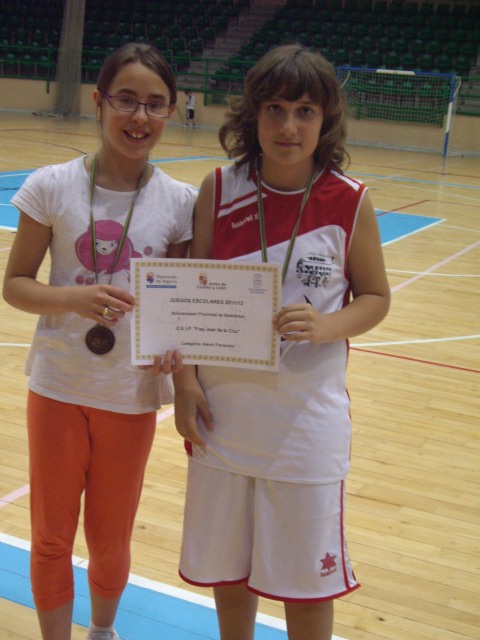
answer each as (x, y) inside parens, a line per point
(306, 600)
(342, 536)
(223, 583)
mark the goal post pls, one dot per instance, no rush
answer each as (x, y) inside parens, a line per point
(398, 109)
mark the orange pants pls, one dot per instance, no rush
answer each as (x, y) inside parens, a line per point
(75, 450)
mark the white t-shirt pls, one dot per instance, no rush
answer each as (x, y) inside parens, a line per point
(59, 364)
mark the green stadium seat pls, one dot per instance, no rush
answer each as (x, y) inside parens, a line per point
(26, 66)
(400, 45)
(417, 20)
(357, 58)
(457, 35)
(393, 31)
(461, 65)
(384, 44)
(409, 32)
(376, 31)
(319, 41)
(450, 22)
(434, 47)
(173, 31)
(444, 63)
(426, 33)
(459, 10)
(360, 30)
(403, 20)
(443, 9)
(208, 35)
(426, 62)
(344, 28)
(350, 42)
(190, 32)
(9, 65)
(410, 7)
(474, 36)
(368, 43)
(178, 46)
(417, 46)
(408, 61)
(195, 47)
(392, 60)
(328, 28)
(162, 43)
(435, 21)
(470, 50)
(335, 41)
(340, 57)
(427, 8)
(374, 59)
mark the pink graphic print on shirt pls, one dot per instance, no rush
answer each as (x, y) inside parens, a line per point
(108, 235)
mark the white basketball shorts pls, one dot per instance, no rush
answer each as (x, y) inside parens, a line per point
(285, 540)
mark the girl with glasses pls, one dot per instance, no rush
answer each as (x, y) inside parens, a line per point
(91, 414)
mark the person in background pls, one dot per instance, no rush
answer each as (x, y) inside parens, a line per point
(190, 110)
(269, 452)
(91, 413)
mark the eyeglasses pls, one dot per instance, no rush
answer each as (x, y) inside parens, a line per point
(154, 108)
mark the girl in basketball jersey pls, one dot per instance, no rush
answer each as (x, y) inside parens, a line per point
(91, 414)
(269, 452)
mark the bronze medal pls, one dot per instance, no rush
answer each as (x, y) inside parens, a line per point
(100, 339)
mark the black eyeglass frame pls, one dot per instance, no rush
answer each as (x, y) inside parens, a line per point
(109, 98)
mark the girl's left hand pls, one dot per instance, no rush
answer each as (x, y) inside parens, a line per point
(169, 362)
(300, 322)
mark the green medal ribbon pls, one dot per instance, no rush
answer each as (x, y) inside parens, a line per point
(125, 227)
(261, 219)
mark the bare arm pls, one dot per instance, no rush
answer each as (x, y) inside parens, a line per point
(190, 401)
(22, 290)
(370, 292)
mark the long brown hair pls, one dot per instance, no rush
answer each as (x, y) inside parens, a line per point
(287, 72)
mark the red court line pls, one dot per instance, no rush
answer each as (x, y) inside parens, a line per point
(412, 204)
(430, 362)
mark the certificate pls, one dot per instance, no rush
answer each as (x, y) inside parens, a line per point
(215, 312)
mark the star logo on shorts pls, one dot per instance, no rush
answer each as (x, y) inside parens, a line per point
(328, 565)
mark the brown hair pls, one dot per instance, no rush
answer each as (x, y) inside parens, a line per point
(287, 72)
(148, 55)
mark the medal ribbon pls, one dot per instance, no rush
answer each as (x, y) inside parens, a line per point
(125, 227)
(261, 219)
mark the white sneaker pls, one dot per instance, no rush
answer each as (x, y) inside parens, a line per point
(102, 635)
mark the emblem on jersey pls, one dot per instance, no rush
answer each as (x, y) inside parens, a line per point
(329, 565)
(315, 270)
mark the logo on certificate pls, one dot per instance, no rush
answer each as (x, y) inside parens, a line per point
(160, 280)
(257, 284)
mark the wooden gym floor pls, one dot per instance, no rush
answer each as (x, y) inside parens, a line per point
(413, 511)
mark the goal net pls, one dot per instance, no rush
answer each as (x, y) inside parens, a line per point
(400, 109)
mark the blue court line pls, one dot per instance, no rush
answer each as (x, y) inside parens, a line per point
(393, 226)
(144, 614)
(396, 226)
